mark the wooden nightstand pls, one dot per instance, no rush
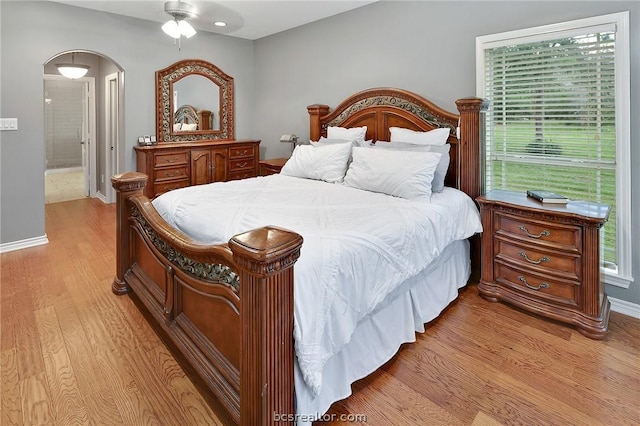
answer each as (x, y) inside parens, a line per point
(271, 167)
(545, 258)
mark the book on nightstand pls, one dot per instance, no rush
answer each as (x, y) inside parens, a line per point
(547, 197)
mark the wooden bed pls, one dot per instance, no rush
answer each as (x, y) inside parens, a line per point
(228, 309)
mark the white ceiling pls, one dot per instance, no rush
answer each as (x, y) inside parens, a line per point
(245, 19)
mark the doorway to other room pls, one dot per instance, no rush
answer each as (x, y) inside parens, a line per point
(69, 127)
(83, 126)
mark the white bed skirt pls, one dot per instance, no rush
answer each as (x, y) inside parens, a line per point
(379, 336)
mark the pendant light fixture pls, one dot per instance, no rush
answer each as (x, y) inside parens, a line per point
(178, 26)
(73, 70)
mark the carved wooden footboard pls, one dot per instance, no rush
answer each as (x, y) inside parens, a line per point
(193, 292)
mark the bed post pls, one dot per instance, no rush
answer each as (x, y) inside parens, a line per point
(265, 257)
(469, 152)
(316, 111)
(469, 148)
(126, 185)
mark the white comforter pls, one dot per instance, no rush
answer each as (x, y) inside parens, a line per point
(358, 246)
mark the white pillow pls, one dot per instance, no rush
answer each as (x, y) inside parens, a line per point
(189, 127)
(405, 174)
(177, 127)
(432, 137)
(327, 141)
(324, 162)
(354, 142)
(437, 185)
(350, 134)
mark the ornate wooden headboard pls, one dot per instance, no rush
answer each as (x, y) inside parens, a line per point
(382, 108)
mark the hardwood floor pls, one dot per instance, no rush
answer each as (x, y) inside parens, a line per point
(73, 353)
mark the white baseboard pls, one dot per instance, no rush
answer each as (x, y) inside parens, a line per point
(100, 196)
(22, 244)
(624, 307)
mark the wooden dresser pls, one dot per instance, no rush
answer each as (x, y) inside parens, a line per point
(545, 258)
(176, 165)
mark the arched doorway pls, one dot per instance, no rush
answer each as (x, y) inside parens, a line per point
(84, 127)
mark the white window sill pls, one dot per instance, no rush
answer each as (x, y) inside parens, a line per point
(617, 280)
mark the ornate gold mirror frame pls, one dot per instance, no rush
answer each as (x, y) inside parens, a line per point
(165, 80)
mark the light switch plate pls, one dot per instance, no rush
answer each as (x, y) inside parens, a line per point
(8, 124)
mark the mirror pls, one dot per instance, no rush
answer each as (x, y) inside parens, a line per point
(194, 101)
(195, 104)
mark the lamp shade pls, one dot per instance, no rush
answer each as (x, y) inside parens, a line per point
(186, 29)
(171, 29)
(72, 70)
(175, 28)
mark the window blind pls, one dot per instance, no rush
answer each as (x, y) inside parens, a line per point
(551, 118)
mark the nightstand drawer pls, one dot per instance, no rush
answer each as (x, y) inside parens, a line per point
(538, 286)
(171, 158)
(172, 173)
(562, 237)
(241, 151)
(565, 264)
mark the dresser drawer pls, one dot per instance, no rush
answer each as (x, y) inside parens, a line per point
(554, 262)
(558, 236)
(537, 285)
(242, 164)
(171, 158)
(242, 174)
(161, 187)
(172, 173)
(241, 151)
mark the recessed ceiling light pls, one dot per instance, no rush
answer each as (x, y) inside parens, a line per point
(220, 24)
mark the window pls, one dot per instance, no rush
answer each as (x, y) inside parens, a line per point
(558, 119)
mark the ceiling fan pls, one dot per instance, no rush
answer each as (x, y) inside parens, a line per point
(181, 11)
(178, 26)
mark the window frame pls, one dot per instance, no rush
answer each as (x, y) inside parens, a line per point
(622, 275)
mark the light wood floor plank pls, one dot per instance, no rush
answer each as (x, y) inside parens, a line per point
(133, 405)
(388, 401)
(173, 378)
(36, 402)
(10, 389)
(29, 353)
(164, 405)
(66, 399)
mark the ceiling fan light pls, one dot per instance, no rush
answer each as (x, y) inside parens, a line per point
(186, 29)
(171, 28)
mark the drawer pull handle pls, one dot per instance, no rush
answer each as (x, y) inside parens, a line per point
(243, 152)
(535, 262)
(544, 233)
(542, 284)
(243, 164)
(167, 174)
(169, 160)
